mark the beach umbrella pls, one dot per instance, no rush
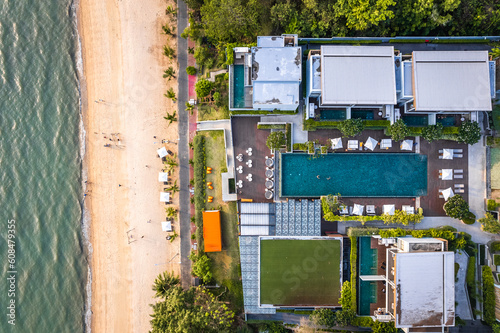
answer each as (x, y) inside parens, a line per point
(447, 174)
(163, 177)
(166, 226)
(371, 143)
(164, 197)
(389, 209)
(336, 143)
(407, 145)
(447, 154)
(358, 210)
(162, 152)
(448, 193)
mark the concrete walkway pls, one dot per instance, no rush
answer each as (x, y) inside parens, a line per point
(463, 308)
(478, 236)
(214, 74)
(184, 202)
(223, 125)
(299, 135)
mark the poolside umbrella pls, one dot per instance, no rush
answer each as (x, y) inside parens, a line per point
(166, 226)
(358, 209)
(448, 193)
(447, 154)
(407, 145)
(163, 177)
(389, 209)
(447, 174)
(336, 143)
(162, 152)
(371, 143)
(165, 197)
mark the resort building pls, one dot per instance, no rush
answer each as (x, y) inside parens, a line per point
(419, 284)
(268, 76)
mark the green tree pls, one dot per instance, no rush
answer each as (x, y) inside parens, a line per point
(171, 94)
(203, 87)
(495, 52)
(168, 52)
(216, 96)
(171, 212)
(399, 130)
(345, 317)
(469, 132)
(401, 217)
(174, 188)
(282, 14)
(276, 140)
(191, 70)
(456, 207)
(171, 117)
(432, 132)
(201, 267)
(361, 14)
(169, 73)
(488, 296)
(164, 282)
(384, 327)
(203, 56)
(490, 224)
(331, 203)
(323, 317)
(346, 295)
(351, 127)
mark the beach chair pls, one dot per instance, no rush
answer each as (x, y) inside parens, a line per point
(458, 171)
(408, 209)
(458, 176)
(459, 185)
(344, 211)
(440, 157)
(440, 151)
(459, 190)
(370, 209)
(440, 176)
(458, 151)
(350, 210)
(458, 155)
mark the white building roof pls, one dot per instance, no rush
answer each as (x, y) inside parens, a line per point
(254, 208)
(270, 41)
(276, 64)
(451, 81)
(363, 75)
(254, 230)
(270, 95)
(425, 284)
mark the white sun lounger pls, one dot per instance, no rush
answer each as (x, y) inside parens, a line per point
(458, 176)
(459, 190)
(458, 150)
(459, 185)
(458, 171)
(458, 155)
(370, 209)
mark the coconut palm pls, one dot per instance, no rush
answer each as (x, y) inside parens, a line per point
(168, 52)
(169, 73)
(168, 30)
(173, 188)
(495, 53)
(171, 212)
(164, 282)
(171, 117)
(171, 94)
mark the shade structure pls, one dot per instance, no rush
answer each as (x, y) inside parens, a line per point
(447, 174)
(163, 177)
(389, 209)
(336, 143)
(166, 226)
(211, 231)
(162, 152)
(448, 193)
(164, 197)
(385, 143)
(407, 145)
(358, 209)
(371, 143)
(447, 154)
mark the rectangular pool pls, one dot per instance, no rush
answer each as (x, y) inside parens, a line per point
(239, 86)
(416, 120)
(367, 294)
(367, 257)
(332, 114)
(361, 114)
(353, 175)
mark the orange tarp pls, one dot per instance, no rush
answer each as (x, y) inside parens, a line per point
(211, 231)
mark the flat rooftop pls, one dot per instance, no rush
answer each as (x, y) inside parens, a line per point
(451, 81)
(425, 284)
(362, 75)
(276, 64)
(300, 272)
(269, 94)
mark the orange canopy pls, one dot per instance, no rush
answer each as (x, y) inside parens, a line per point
(211, 231)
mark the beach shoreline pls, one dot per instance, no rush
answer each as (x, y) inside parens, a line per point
(123, 106)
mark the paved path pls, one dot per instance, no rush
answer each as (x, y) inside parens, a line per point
(463, 308)
(292, 318)
(299, 136)
(214, 74)
(184, 209)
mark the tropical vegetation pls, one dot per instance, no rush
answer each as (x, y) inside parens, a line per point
(351, 127)
(490, 224)
(469, 132)
(276, 140)
(399, 131)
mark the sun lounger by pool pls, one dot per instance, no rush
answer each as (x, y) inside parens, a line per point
(458, 171)
(385, 143)
(344, 210)
(408, 209)
(370, 209)
(440, 151)
(458, 155)
(458, 176)
(458, 150)
(352, 144)
(459, 185)
(459, 190)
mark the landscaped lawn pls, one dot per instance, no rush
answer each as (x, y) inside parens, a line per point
(225, 264)
(300, 272)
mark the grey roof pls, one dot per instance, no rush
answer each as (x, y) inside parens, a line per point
(256, 208)
(257, 219)
(274, 94)
(363, 75)
(451, 81)
(249, 258)
(276, 64)
(316, 72)
(425, 284)
(270, 41)
(298, 218)
(407, 80)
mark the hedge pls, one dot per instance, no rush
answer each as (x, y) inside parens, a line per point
(492, 205)
(354, 271)
(199, 158)
(271, 126)
(495, 246)
(461, 41)
(252, 112)
(488, 296)
(496, 259)
(312, 125)
(300, 146)
(407, 40)
(288, 137)
(471, 273)
(362, 321)
(336, 41)
(417, 131)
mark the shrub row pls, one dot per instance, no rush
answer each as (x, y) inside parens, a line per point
(495, 246)
(416, 131)
(312, 125)
(300, 146)
(271, 126)
(399, 217)
(336, 41)
(354, 271)
(488, 296)
(492, 205)
(288, 137)
(471, 273)
(252, 112)
(199, 168)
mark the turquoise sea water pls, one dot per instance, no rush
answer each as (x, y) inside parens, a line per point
(40, 168)
(353, 175)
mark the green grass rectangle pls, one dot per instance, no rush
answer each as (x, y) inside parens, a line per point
(300, 272)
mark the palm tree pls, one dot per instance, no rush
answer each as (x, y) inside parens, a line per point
(171, 117)
(171, 94)
(495, 53)
(169, 73)
(173, 188)
(167, 30)
(171, 212)
(168, 52)
(171, 10)
(164, 282)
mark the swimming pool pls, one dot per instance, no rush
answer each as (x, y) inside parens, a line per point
(416, 120)
(446, 121)
(239, 86)
(332, 114)
(362, 114)
(353, 175)
(367, 294)
(367, 257)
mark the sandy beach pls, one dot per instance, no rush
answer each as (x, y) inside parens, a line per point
(123, 101)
